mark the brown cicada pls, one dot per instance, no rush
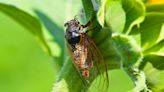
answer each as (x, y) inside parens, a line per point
(84, 53)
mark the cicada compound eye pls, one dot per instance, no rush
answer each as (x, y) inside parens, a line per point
(66, 24)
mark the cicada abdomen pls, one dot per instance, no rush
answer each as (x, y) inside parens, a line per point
(85, 55)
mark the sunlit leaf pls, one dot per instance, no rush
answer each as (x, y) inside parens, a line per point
(135, 13)
(121, 15)
(140, 81)
(112, 15)
(154, 70)
(150, 29)
(155, 48)
(101, 13)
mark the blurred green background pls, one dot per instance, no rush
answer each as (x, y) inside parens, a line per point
(24, 66)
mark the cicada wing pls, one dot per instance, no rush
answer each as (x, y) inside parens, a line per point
(85, 82)
(99, 67)
(95, 61)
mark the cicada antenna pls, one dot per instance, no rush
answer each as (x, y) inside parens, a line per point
(75, 18)
(78, 16)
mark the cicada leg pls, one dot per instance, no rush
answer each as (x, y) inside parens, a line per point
(87, 24)
(91, 29)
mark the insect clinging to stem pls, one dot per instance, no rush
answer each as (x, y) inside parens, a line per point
(85, 55)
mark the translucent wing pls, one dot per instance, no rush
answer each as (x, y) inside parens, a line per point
(99, 67)
(74, 58)
(90, 64)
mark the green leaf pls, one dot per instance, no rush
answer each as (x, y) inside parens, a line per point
(128, 50)
(150, 29)
(56, 31)
(88, 8)
(57, 37)
(115, 15)
(154, 70)
(101, 13)
(155, 48)
(121, 15)
(139, 79)
(156, 60)
(131, 58)
(155, 8)
(140, 82)
(135, 13)
(69, 80)
(26, 20)
(112, 15)
(106, 46)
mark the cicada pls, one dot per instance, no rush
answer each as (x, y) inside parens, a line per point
(84, 53)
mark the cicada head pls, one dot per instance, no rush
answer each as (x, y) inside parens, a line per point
(73, 29)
